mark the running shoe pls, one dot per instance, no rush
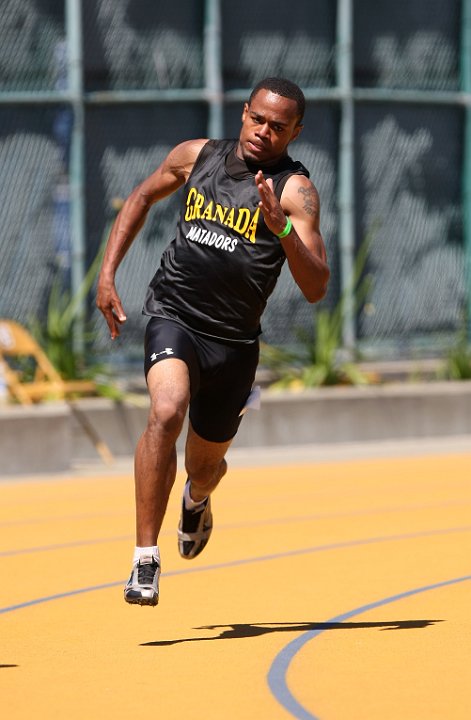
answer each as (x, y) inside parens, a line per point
(142, 588)
(194, 529)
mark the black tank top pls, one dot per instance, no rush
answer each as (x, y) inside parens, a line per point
(215, 277)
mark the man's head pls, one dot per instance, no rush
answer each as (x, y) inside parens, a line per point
(271, 119)
(285, 88)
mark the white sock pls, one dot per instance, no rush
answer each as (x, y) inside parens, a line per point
(190, 504)
(140, 551)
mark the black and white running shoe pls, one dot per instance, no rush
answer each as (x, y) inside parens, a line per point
(194, 529)
(142, 588)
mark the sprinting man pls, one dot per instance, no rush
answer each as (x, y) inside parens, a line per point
(247, 207)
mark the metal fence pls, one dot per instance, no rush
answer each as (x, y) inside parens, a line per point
(93, 93)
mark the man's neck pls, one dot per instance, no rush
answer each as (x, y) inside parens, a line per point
(253, 164)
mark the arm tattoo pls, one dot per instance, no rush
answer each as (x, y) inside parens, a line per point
(311, 205)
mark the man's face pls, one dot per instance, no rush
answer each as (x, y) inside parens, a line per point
(269, 124)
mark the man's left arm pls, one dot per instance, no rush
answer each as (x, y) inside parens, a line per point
(303, 245)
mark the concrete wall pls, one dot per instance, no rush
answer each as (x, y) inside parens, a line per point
(347, 414)
(35, 439)
(51, 438)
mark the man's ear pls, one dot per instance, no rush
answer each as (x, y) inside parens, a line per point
(296, 132)
(245, 111)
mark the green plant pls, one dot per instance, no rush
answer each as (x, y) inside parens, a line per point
(458, 361)
(57, 335)
(317, 362)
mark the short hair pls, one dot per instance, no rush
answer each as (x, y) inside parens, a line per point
(285, 88)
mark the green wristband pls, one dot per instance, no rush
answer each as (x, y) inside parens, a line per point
(287, 230)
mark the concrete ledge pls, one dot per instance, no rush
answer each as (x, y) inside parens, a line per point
(51, 438)
(355, 414)
(35, 439)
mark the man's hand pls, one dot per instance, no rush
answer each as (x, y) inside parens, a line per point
(275, 218)
(303, 245)
(109, 303)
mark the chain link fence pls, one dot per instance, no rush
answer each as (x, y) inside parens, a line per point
(146, 87)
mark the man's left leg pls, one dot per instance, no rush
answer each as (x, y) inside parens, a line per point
(205, 466)
(228, 372)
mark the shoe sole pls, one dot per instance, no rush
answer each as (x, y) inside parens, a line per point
(142, 601)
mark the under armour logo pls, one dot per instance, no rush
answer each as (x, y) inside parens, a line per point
(167, 351)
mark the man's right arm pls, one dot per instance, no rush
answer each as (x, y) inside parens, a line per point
(169, 176)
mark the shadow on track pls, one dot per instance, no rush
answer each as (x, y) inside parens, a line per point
(243, 630)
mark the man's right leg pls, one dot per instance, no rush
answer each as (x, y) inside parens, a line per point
(156, 459)
(155, 470)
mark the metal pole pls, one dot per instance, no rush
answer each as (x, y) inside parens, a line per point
(346, 164)
(466, 176)
(213, 67)
(73, 20)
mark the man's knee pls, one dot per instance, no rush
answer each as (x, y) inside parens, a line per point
(166, 417)
(203, 471)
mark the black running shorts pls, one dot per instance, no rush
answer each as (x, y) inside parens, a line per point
(221, 374)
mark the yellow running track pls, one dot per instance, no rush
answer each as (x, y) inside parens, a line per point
(328, 590)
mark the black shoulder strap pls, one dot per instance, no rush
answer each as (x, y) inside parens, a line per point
(220, 147)
(296, 168)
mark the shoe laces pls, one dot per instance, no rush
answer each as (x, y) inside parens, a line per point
(196, 511)
(146, 572)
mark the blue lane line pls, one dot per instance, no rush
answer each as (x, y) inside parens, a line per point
(48, 598)
(167, 533)
(246, 561)
(277, 675)
(63, 546)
